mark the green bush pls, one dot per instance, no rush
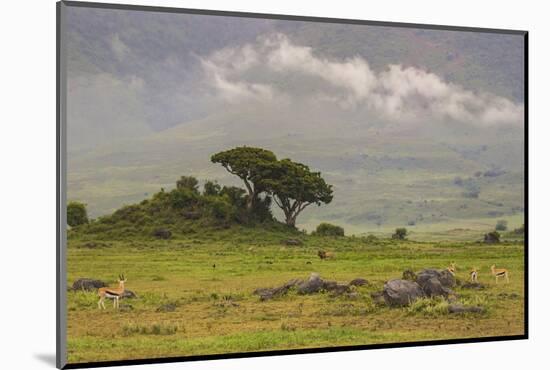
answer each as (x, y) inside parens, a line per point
(400, 233)
(326, 229)
(189, 183)
(211, 188)
(76, 214)
(182, 197)
(219, 208)
(502, 225)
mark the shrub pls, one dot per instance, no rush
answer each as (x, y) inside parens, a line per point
(492, 237)
(326, 229)
(502, 225)
(371, 238)
(182, 198)
(219, 208)
(235, 195)
(76, 214)
(189, 183)
(400, 233)
(211, 188)
(520, 230)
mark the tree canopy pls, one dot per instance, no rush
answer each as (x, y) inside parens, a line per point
(294, 187)
(251, 165)
(76, 214)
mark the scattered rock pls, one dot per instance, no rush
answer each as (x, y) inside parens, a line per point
(434, 288)
(293, 242)
(162, 234)
(358, 282)
(128, 294)
(378, 298)
(88, 284)
(460, 308)
(409, 275)
(169, 307)
(337, 289)
(400, 292)
(313, 285)
(269, 293)
(473, 285)
(446, 279)
(352, 295)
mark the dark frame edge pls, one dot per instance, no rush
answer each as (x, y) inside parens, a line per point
(61, 281)
(287, 17)
(526, 184)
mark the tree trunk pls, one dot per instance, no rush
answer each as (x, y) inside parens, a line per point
(290, 220)
(249, 203)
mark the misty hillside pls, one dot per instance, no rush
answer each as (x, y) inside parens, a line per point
(412, 127)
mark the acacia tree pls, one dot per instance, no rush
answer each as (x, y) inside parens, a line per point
(251, 165)
(294, 186)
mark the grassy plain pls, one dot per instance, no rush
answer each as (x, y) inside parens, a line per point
(216, 311)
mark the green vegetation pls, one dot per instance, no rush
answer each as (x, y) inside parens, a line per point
(326, 229)
(400, 233)
(194, 259)
(250, 165)
(76, 214)
(291, 185)
(502, 225)
(217, 312)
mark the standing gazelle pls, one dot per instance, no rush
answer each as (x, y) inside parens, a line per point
(498, 273)
(113, 293)
(473, 275)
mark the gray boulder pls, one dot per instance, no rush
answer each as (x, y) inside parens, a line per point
(270, 293)
(359, 282)
(400, 292)
(434, 288)
(88, 284)
(446, 279)
(409, 275)
(473, 285)
(313, 285)
(128, 294)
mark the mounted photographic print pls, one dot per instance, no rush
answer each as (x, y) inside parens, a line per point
(236, 184)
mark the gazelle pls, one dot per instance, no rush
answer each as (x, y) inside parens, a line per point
(498, 273)
(113, 293)
(473, 275)
(452, 268)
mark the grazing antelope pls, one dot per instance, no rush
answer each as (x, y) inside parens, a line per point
(113, 293)
(325, 255)
(452, 268)
(473, 275)
(498, 273)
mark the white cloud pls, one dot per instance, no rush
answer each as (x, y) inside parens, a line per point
(253, 72)
(119, 48)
